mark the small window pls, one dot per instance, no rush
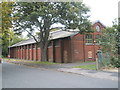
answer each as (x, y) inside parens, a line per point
(89, 39)
(98, 37)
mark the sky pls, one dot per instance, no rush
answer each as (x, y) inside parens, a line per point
(104, 10)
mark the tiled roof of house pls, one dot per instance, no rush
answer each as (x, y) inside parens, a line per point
(53, 35)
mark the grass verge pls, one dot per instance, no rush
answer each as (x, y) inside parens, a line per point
(91, 67)
(28, 61)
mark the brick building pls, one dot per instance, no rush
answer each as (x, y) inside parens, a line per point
(64, 47)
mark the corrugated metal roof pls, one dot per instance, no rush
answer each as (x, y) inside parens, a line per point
(53, 35)
(24, 42)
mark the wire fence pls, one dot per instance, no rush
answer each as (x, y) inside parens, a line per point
(103, 60)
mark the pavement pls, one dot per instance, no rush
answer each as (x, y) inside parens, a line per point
(92, 73)
(106, 74)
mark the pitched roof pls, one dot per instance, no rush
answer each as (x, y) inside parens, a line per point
(53, 35)
(99, 22)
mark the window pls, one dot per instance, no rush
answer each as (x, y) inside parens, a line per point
(88, 38)
(98, 38)
(97, 28)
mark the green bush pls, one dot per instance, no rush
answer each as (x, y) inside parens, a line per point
(115, 62)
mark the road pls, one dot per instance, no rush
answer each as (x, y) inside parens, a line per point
(16, 76)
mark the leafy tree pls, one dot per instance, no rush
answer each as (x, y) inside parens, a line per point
(41, 15)
(109, 42)
(16, 38)
(6, 21)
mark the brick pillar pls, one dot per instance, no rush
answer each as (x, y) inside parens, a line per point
(27, 52)
(15, 52)
(21, 53)
(61, 51)
(18, 52)
(84, 47)
(51, 54)
(34, 52)
(31, 51)
(36, 47)
(53, 51)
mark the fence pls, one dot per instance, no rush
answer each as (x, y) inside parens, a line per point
(103, 59)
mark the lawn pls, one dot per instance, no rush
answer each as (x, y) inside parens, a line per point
(91, 67)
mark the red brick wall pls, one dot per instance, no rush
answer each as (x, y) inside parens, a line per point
(50, 54)
(57, 54)
(30, 54)
(66, 50)
(77, 47)
(93, 49)
(34, 54)
(23, 52)
(12, 52)
(26, 52)
(38, 54)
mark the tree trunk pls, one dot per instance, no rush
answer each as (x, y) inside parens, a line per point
(44, 53)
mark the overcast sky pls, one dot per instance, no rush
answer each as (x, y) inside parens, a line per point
(104, 10)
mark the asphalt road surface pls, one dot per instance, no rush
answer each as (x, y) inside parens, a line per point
(16, 76)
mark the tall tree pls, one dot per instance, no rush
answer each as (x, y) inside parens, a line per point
(42, 15)
(6, 21)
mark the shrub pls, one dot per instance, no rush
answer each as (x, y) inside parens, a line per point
(115, 62)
